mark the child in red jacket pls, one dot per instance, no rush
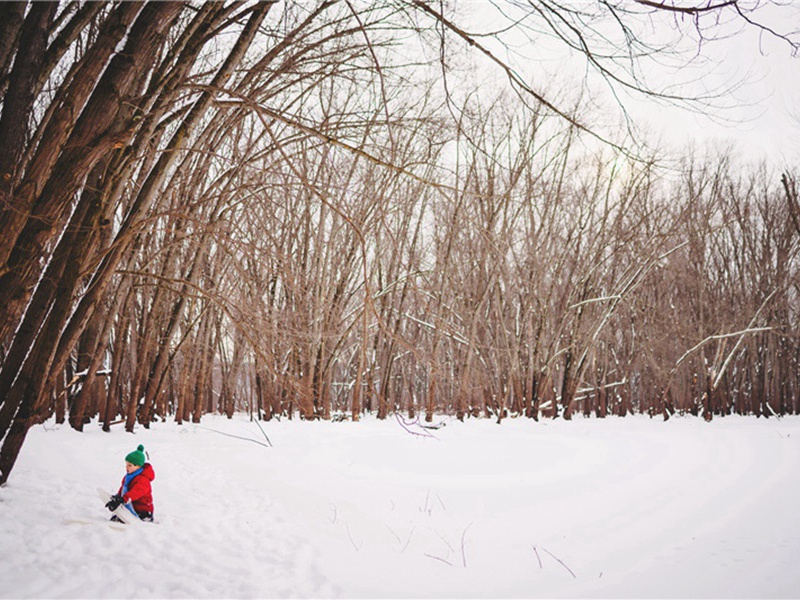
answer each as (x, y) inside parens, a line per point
(135, 492)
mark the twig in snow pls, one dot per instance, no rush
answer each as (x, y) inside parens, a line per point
(425, 509)
(264, 432)
(428, 508)
(561, 562)
(356, 546)
(393, 533)
(539, 558)
(408, 541)
(463, 553)
(441, 537)
(447, 562)
(408, 424)
(238, 437)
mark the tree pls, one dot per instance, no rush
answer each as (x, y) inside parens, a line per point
(306, 205)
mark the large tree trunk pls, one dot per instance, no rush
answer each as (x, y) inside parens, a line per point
(11, 18)
(96, 132)
(18, 102)
(120, 336)
(57, 126)
(97, 129)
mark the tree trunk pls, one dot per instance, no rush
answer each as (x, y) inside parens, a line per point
(121, 334)
(12, 15)
(18, 101)
(95, 133)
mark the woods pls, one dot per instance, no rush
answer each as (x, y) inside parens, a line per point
(302, 210)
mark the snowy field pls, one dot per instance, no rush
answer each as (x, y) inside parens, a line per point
(613, 508)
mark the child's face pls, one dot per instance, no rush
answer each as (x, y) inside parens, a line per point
(129, 468)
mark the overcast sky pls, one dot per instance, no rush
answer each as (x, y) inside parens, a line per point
(764, 114)
(759, 112)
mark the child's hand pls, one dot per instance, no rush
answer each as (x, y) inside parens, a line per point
(115, 501)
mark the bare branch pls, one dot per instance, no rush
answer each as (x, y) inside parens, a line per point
(692, 10)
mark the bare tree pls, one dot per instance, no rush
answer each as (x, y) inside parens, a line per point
(324, 217)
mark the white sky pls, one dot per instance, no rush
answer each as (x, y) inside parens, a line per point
(760, 114)
(764, 115)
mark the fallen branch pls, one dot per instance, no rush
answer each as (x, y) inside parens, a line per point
(352, 541)
(561, 562)
(408, 424)
(397, 537)
(463, 553)
(264, 432)
(238, 437)
(446, 543)
(408, 541)
(447, 562)
(539, 558)
(424, 509)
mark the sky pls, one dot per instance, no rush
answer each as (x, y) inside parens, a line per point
(758, 113)
(763, 117)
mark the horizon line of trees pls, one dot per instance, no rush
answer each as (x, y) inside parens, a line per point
(223, 206)
(543, 288)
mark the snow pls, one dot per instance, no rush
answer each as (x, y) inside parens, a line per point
(617, 508)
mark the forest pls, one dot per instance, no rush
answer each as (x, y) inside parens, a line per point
(314, 210)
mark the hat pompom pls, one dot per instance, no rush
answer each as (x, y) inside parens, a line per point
(136, 457)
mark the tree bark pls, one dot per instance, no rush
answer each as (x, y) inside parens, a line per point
(96, 132)
(18, 101)
(57, 126)
(12, 15)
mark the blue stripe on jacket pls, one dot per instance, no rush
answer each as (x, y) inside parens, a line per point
(126, 484)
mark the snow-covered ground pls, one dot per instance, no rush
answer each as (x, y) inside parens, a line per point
(591, 508)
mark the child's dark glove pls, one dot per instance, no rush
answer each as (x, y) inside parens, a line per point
(115, 501)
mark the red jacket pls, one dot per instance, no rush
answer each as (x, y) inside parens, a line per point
(139, 491)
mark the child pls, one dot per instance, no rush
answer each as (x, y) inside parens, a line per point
(135, 492)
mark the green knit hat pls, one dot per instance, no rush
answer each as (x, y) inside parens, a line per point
(136, 457)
